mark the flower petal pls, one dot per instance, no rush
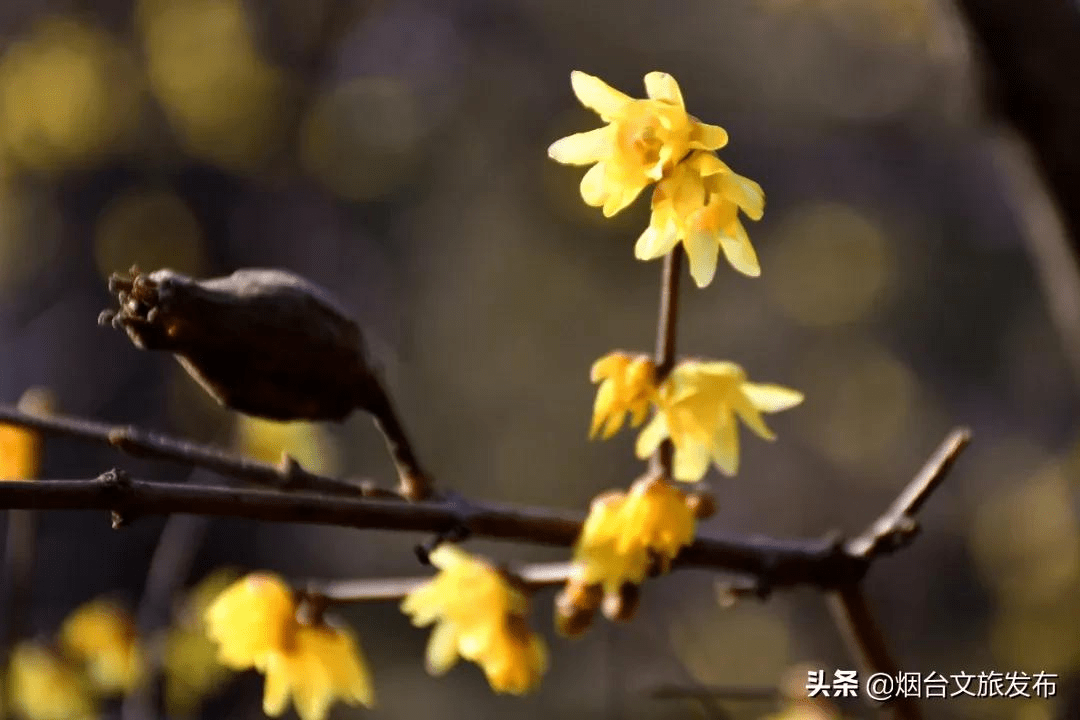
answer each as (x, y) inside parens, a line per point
(597, 95)
(661, 86)
(625, 194)
(594, 185)
(651, 436)
(751, 416)
(725, 447)
(707, 137)
(691, 462)
(653, 243)
(744, 192)
(739, 252)
(770, 398)
(442, 651)
(702, 249)
(605, 399)
(276, 690)
(582, 148)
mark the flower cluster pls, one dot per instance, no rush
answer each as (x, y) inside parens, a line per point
(697, 198)
(256, 624)
(695, 404)
(479, 616)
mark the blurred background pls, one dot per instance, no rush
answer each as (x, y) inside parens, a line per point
(395, 152)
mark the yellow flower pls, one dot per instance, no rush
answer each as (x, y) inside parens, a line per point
(697, 407)
(320, 664)
(627, 385)
(481, 618)
(190, 658)
(20, 448)
(43, 686)
(103, 635)
(626, 533)
(698, 203)
(252, 617)
(254, 621)
(642, 141)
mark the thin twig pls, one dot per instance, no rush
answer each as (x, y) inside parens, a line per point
(533, 576)
(775, 563)
(141, 443)
(896, 526)
(666, 335)
(863, 635)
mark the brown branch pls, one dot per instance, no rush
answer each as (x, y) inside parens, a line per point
(534, 576)
(896, 526)
(666, 334)
(141, 443)
(864, 638)
(774, 563)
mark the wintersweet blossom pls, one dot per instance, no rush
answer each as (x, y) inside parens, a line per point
(627, 386)
(643, 139)
(698, 203)
(255, 623)
(252, 617)
(190, 662)
(20, 448)
(478, 616)
(44, 686)
(696, 409)
(103, 636)
(628, 534)
(322, 663)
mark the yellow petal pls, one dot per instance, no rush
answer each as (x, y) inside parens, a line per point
(702, 250)
(739, 252)
(745, 193)
(752, 417)
(582, 148)
(597, 95)
(594, 185)
(276, 690)
(654, 243)
(607, 366)
(691, 462)
(725, 450)
(651, 436)
(707, 137)
(771, 398)
(661, 86)
(442, 651)
(614, 424)
(621, 197)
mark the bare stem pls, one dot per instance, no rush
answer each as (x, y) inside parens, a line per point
(142, 443)
(863, 635)
(666, 334)
(775, 563)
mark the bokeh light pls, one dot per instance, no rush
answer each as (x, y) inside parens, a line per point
(149, 228)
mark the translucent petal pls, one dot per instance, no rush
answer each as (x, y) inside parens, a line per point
(582, 148)
(614, 424)
(661, 86)
(653, 243)
(594, 185)
(725, 450)
(771, 398)
(605, 399)
(739, 252)
(607, 366)
(745, 193)
(442, 648)
(702, 249)
(751, 416)
(691, 462)
(621, 197)
(651, 436)
(707, 137)
(597, 95)
(276, 690)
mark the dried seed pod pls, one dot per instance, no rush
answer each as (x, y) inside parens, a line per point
(265, 342)
(702, 504)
